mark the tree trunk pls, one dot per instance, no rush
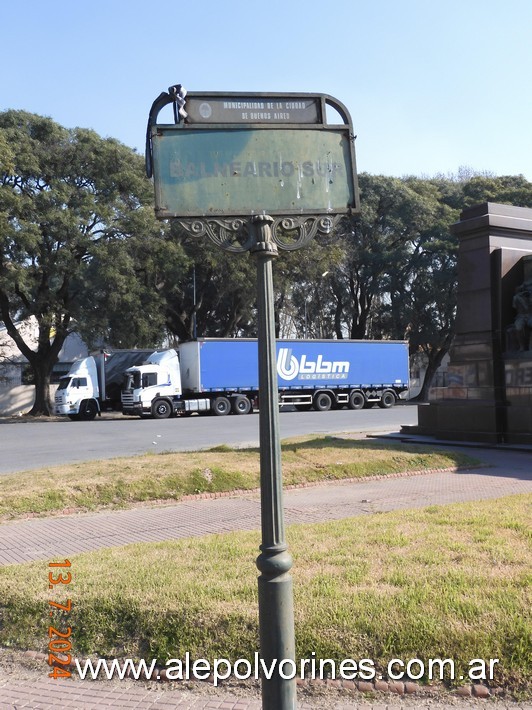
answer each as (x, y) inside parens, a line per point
(435, 360)
(43, 404)
(338, 312)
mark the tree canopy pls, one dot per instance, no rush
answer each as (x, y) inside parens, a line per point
(65, 196)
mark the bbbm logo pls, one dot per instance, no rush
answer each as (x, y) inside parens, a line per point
(289, 367)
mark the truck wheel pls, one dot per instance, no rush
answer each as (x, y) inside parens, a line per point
(322, 402)
(161, 409)
(88, 409)
(387, 400)
(356, 400)
(221, 406)
(241, 405)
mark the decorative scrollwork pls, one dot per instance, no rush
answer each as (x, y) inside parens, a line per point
(291, 233)
(234, 234)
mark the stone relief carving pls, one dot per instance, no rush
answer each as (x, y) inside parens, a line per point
(518, 334)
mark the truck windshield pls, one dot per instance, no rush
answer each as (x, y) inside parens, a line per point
(131, 380)
(136, 380)
(64, 382)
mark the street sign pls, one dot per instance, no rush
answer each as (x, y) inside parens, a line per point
(257, 172)
(237, 155)
(239, 172)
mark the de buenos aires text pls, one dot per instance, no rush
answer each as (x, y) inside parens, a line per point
(255, 169)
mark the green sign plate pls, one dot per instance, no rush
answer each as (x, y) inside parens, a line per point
(244, 171)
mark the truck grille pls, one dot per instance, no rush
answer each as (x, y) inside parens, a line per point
(127, 398)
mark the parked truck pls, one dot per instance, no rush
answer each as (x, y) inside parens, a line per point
(220, 376)
(94, 384)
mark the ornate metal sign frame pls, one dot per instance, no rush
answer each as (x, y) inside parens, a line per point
(203, 120)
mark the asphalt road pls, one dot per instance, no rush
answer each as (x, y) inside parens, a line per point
(27, 445)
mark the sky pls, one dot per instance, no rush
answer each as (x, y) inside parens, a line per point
(432, 87)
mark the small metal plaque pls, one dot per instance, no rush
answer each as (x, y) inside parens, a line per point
(252, 109)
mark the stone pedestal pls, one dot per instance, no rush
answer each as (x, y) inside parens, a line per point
(488, 394)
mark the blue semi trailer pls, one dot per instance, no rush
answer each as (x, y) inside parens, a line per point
(220, 376)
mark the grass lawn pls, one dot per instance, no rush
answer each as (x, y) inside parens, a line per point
(121, 482)
(441, 582)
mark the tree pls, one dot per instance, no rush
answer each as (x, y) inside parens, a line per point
(68, 194)
(379, 246)
(304, 306)
(506, 189)
(213, 292)
(7, 158)
(423, 287)
(133, 313)
(417, 295)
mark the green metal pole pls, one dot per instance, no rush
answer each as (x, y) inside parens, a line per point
(276, 608)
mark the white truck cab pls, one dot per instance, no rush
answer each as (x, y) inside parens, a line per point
(78, 393)
(149, 389)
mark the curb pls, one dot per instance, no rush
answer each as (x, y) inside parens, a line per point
(323, 482)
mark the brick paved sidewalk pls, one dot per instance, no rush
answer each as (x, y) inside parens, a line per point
(77, 695)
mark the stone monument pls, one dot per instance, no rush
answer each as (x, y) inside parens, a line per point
(488, 392)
